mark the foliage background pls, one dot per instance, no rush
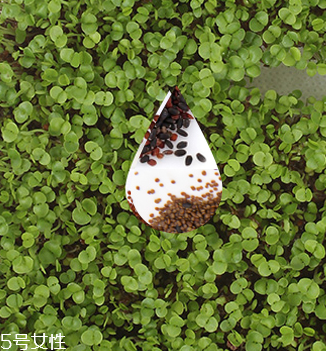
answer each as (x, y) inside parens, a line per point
(79, 82)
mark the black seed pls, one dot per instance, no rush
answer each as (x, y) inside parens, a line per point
(173, 111)
(179, 123)
(182, 145)
(172, 126)
(164, 113)
(159, 123)
(182, 132)
(183, 106)
(188, 160)
(153, 143)
(170, 120)
(146, 149)
(180, 152)
(182, 99)
(163, 136)
(201, 158)
(169, 144)
(178, 229)
(186, 123)
(144, 159)
(167, 125)
(152, 135)
(186, 205)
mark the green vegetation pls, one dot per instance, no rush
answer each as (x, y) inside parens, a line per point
(79, 83)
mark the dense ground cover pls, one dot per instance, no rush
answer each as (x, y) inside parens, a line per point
(79, 83)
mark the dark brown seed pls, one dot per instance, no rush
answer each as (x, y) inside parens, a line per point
(170, 120)
(168, 152)
(169, 144)
(164, 114)
(180, 152)
(153, 143)
(163, 136)
(183, 106)
(182, 145)
(186, 123)
(152, 135)
(188, 160)
(146, 149)
(200, 157)
(182, 132)
(178, 229)
(144, 159)
(186, 205)
(179, 123)
(173, 111)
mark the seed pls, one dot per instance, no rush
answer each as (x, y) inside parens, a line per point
(216, 173)
(180, 152)
(182, 132)
(182, 145)
(186, 205)
(172, 126)
(151, 215)
(160, 155)
(129, 192)
(156, 118)
(200, 157)
(199, 180)
(157, 201)
(188, 160)
(152, 135)
(164, 114)
(193, 188)
(157, 180)
(179, 123)
(146, 149)
(173, 111)
(163, 129)
(153, 143)
(191, 175)
(152, 191)
(174, 137)
(144, 159)
(169, 103)
(161, 185)
(137, 187)
(183, 106)
(168, 152)
(155, 152)
(136, 173)
(170, 120)
(152, 162)
(169, 144)
(186, 123)
(203, 173)
(163, 136)
(178, 229)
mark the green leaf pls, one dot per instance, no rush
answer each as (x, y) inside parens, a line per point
(91, 337)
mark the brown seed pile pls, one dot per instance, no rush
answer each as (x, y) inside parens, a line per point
(165, 128)
(187, 213)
